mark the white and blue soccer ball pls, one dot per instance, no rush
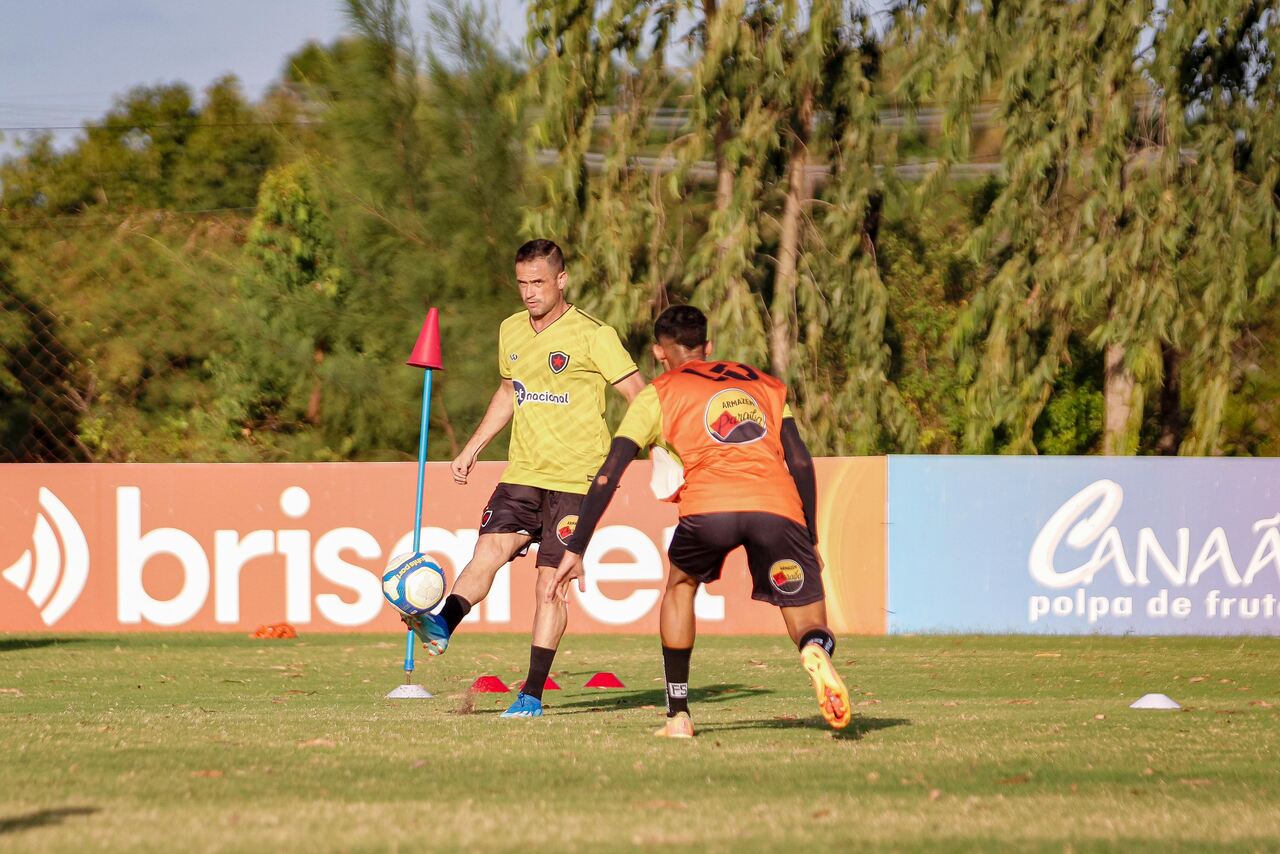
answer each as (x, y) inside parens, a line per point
(413, 584)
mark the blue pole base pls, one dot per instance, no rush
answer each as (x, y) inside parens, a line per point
(409, 641)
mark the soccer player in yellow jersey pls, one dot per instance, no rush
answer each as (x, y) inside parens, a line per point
(554, 361)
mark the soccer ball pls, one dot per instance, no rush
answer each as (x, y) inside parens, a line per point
(413, 584)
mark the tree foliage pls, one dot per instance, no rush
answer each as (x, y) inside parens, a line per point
(213, 277)
(1138, 210)
(778, 93)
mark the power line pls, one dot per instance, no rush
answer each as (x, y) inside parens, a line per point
(81, 221)
(195, 123)
(706, 171)
(666, 118)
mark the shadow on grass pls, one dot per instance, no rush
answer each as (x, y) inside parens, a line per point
(15, 644)
(617, 700)
(42, 818)
(613, 701)
(857, 728)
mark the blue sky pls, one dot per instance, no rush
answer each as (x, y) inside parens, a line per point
(62, 61)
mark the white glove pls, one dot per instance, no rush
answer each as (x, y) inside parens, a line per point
(667, 478)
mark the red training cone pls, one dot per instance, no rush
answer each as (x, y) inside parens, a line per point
(604, 679)
(489, 685)
(550, 686)
(426, 353)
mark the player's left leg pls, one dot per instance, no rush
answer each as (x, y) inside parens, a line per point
(549, 622)
(787, 571)
(559, 517)
(807, 625)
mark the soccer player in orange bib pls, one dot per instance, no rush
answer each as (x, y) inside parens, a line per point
(749, 482)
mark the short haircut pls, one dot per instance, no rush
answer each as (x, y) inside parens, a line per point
(683, 324)
(536, 250)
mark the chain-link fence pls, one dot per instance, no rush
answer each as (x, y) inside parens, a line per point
(109, 329)
(41, 394)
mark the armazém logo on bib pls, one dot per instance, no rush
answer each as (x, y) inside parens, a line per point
(733, 417)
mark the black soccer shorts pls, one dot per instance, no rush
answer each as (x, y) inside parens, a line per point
(547, 516)
(784, 566)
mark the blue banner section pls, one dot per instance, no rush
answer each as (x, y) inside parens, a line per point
(1084, 545)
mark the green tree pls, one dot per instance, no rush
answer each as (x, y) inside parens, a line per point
(227, 154)
(840, 298)
(134, 153)
(474, 174)
(779, 95)
(1124, 218)
(418, 172)
(291, 317)
(597, 80)
(129, 316)
(734, 122)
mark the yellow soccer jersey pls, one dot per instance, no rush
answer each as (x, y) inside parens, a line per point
(558, 435)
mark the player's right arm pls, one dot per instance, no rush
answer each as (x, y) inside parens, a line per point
(615, 363)
(596, 501)
(501, 407)
(640, 428)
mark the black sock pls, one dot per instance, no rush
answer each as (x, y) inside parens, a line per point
(821, 636)
(540, 659)
(675, 664)
(455, 608)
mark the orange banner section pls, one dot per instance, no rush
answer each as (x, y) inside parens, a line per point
(231, 547)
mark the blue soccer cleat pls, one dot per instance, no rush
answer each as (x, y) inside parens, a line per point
(524, 707)
(431, 630)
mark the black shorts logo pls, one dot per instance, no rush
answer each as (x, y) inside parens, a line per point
(558, 361)
(565, 528)
(485, 517)
(786, 576)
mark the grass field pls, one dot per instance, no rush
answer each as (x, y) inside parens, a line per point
(200, 742)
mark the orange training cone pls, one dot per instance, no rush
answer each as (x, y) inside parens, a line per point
(604, 679)
(489, 685)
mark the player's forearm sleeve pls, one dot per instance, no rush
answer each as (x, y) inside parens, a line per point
(606, 481)
(800, 464)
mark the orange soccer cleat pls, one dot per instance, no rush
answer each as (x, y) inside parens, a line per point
(833, 696)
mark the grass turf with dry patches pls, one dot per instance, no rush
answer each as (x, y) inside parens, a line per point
(200, 742)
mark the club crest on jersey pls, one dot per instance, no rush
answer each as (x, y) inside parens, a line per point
(558, 361)
(565, 528)
(734, 418)
(786, 576)
(485, 517)
(524, 395)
